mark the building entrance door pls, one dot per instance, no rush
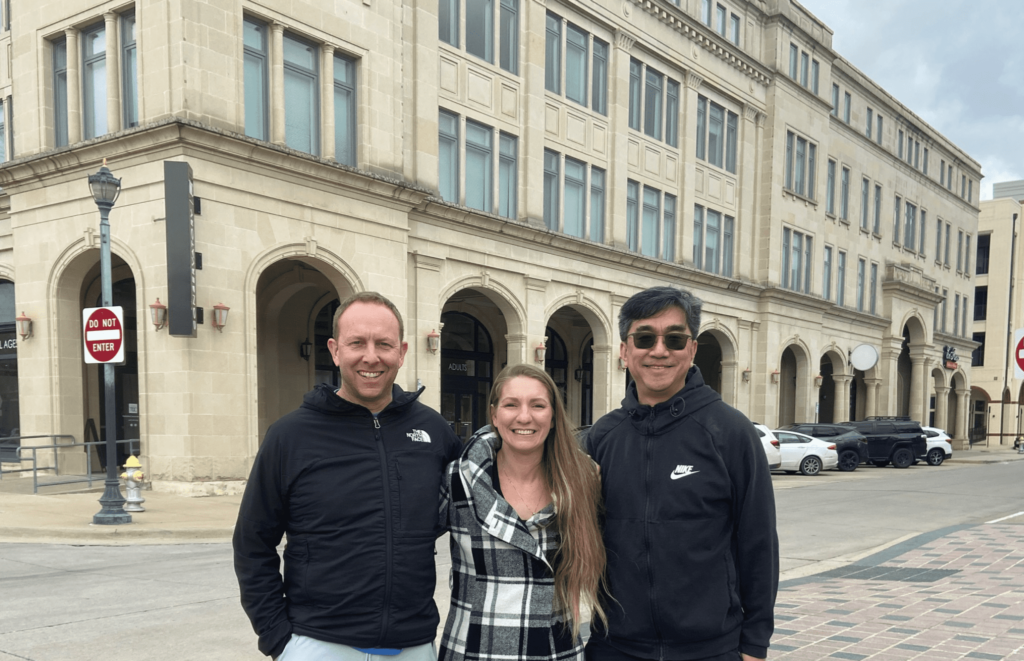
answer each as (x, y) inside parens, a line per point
(466, 373)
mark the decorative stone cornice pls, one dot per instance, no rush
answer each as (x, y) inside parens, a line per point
(624, 40)
(694, 80)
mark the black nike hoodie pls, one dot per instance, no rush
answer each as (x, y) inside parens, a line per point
(358, 499)
(690, 533)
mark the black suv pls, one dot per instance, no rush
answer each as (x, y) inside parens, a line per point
(896, 439)
(850, 443)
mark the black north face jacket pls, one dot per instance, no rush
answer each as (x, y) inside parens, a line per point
(693, 556)
(358, 500)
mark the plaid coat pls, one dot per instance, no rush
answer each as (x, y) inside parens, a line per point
(503, 590)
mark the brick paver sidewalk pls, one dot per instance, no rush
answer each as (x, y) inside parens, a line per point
(954, 594)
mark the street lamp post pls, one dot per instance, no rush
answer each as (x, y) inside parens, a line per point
(105, 189)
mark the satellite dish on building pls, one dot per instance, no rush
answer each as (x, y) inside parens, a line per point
(864, 357)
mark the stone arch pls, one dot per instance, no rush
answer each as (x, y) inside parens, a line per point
(589, 310)
(794, 381)
(590, 351)
(918, 328)
(717, 359)
(499, 294)
(834, 386)
(7, 272)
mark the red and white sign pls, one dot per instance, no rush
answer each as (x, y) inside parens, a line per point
(103, 332)
(1018, 353)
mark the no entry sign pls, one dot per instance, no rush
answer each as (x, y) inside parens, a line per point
(1018, 353)
(103, 332)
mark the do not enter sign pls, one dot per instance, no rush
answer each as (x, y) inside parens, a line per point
(1018, 353)
(103, 332)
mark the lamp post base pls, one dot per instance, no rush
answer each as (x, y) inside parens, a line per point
(112, 512)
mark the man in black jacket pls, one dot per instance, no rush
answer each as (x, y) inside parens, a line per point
(353, 477)
(693, 554)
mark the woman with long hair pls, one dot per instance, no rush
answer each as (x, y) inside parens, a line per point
(522, 506)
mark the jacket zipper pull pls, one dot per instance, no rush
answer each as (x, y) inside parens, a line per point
(376, 423)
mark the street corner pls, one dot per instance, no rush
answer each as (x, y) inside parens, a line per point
(957, 593)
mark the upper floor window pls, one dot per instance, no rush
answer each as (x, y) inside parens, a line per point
(3, 132)
(720, 16)
(847, 103)
(830, 189)
(835, 100)
(978, 355)
(705, 12)
(650, 221)
(981, 264)
(716, 134)
(861, 275)
(344, 109)
(942, 172)
(129, 72)
(301, 94)
(877, 226)
(981, 303)
(960, 251)
(899, 143)
(659, 92)
(257, 67)
(734, 29)
(60, 92)
(924, 162)
(567, 205)
(844, 194)
(967, 254)
(803, 68)
(871, 121)
(482, 159)
(94, 81)
(800, 164)
(878, 133)
(910, 226)
(949, 177)
(712, 240)
(796, 260)
(582, 52)
(865, 206)
(481, 29)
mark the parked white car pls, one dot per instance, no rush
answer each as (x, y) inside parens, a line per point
(939, 448)
(771, 446)
(804, 453)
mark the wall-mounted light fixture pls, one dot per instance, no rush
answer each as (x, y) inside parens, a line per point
(817, 380)
(158, 314)
(775, 376)
(433, 341)
(24, 326)
(306, 349)
(220, 316)
(746, 375)
(540, 351)
(578, 374)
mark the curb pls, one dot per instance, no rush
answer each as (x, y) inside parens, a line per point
(114, 535)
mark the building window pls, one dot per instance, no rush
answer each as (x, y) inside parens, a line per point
(878, 210)
(924, 219)
(978, 355)
(3, 132)
(804, 69)
(899, 144)
(938, 239)
(925, 169)
(481, 28)
(508, 36)
(844, 194)
(448, 21)
(448, 156)
(720, 15)
(967, 254)
(650, 220)
(551, 170)
(800, 164)
(871, 121)
(981, 303)
(60, 92)
(657, 217)
(835, 100)
(981, 264)
(910, 226)
(830, 189)
(970, 190)
(582, 51)
(574, 189)
(716, 134)
(874, 287)
(826, 275)
(956, 314)
(794, 59)
(597, 196)
(508, 174)
(963, 321)
(917, 155)
(129, 72)
(878, 133)
(668, 229)
(861, 267)
(632, 214)
(344, 109)
(949, 177)
(963, 186)
(712, 241)
(796, 260)
(949, 231)
(847, 102)
(734, 29)
(656, 88)
(301, 94)
(254, 39)
(959, 251)
(705, 12)
(479, 157)
(896, 221)
(942, 171)
(945, 300)
(814, 76)
(94, 81)
(841, 278)
(865, 193)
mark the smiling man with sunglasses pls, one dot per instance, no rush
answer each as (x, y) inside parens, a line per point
(689, 527)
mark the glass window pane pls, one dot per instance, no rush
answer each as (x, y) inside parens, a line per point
(344, 110)
(254, 35)
(507, 176)
(479, 157)
(801, 148)
(60, 92)
(730, 142)
(94, 82)
(651, 217)
(448, 157)
(716, 130)
(448, 21)
(596, 205)
(826, 275)
(727, 233)
(509, 36)
(698, 236)
(599, 87)
(632, 211)
(652, 104)
(734, 29)
(480, 29)
(129, 71)
(711, 236)
(300, 54)
(553, 54)
(300, 111)
(634, 94)
(255, 67)
(812, 164)
(551, 190)
(668, 234)
(576, 56)
(672, 114)
(575, 201)
(702, 112)
(720, 15)
(3, 135)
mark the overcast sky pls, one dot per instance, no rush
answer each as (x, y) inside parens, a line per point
(958, 64)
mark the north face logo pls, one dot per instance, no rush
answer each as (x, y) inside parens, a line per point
(419, 436)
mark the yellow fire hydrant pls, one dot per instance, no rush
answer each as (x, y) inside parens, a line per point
(133, 477)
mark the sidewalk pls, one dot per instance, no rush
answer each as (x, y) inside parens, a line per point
(979, 454)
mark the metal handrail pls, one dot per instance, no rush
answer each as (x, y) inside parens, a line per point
(133, 448)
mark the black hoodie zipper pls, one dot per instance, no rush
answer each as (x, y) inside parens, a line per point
(649, 436)
(386, 481)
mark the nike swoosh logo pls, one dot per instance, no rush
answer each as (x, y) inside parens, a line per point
(675, 475)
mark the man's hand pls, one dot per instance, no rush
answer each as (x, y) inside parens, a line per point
(747, 657)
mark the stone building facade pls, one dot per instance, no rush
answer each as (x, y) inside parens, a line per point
(509, 172)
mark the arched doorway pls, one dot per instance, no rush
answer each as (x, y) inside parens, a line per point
(585, 375)
(295, 303)
(467, 371)
(981, 409)
(569, 359)
(904, 375)
(708, 360)
(788, 387)
(826, 391)
(9, 415)
(556, 362)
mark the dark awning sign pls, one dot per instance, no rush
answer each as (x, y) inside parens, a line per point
(949, 355)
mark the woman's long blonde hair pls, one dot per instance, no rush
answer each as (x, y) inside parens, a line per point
(576, 489)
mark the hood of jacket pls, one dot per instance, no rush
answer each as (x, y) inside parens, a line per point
(693, 397)
(324, 399)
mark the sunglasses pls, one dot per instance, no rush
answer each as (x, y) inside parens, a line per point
(673, 341)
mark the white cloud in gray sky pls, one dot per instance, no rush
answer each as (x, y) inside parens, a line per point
(958, 64)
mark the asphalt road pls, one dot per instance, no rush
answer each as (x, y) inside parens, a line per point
(80, 603)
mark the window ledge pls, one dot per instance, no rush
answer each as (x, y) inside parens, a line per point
(865, 231)
(844, 221)
(877, 235)
(798, 196)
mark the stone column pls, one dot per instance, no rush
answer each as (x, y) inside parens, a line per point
(871, 405)
(841, 404)
(327, 101)
(425, 313)
(530, 206)
(688, 185)
(114, 72)
(516, 344)
(606, 370)
(942, 408)
(536, 320)
(963, 396)
(916, 389)
(277, 132)
(729, 383)
(749, 186)
(74, 53)
(618, 130)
